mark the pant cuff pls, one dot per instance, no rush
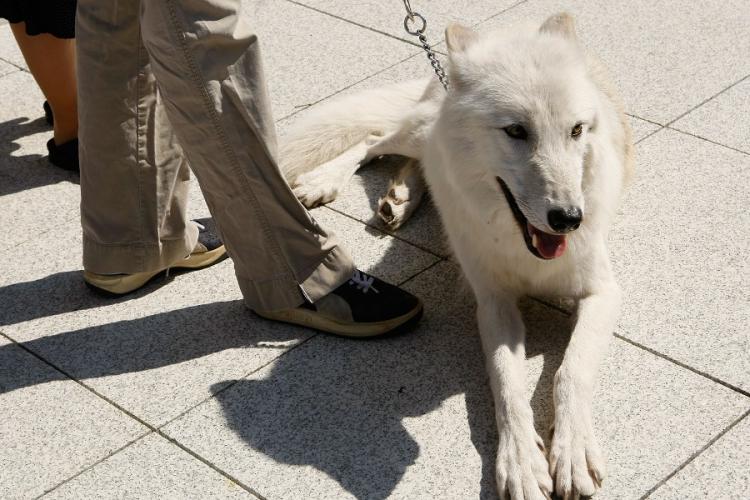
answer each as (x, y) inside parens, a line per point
(132, 258)
(287, 293)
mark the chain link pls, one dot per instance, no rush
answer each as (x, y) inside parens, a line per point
(439, 71)
(412, 17)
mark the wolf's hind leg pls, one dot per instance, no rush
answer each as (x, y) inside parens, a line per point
(404, 142)
(323, 184)
(404, 195)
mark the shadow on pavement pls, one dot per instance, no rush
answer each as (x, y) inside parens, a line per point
(334, 404)
(59, 293)
(150, 342)
(19, 173)
(340, 405)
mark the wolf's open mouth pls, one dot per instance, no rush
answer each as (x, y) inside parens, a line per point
(539, 243)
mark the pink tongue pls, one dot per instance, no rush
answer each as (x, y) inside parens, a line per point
(549, 246)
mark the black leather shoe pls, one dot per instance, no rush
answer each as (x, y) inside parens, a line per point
(65, 155)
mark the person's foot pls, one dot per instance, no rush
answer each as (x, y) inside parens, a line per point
(364, 306)
(65, 155)
(208, 251)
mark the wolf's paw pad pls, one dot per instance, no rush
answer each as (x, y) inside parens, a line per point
(313, 190)
(575, 462)
(521, 469)
(390, 212)
(395, 207)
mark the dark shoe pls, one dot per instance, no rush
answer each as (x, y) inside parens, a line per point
(65, 155)
(208, 250)
(48, 114)
(364, 306)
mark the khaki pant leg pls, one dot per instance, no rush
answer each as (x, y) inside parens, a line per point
(134, 177)
(208, 67)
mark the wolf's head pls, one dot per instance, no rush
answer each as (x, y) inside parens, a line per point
(522, 109)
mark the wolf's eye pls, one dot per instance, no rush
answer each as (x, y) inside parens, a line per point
(516, 131)
(577, 130)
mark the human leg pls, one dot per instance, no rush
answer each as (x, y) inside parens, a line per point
(134, 177)
(52, 63)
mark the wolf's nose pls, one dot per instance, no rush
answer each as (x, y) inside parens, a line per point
(563, 220)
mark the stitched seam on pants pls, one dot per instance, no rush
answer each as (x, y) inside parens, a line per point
(138, 170)
(199, 82)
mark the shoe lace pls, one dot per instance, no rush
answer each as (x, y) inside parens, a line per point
(363, 282)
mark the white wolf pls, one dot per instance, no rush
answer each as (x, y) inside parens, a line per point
(526, 157)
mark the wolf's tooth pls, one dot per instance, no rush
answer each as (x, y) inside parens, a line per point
(534, 240)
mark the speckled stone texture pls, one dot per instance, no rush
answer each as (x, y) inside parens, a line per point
(722, 119)
(665, 57)
(720, 472)
(292, 414)
(9, 50)
(389, 16)
(36, 196)
(169, 346)
(309, 56)
(641, 128)
(6, 68)
(411, 416)
(51, 427)
(151, 468)
(680, 252)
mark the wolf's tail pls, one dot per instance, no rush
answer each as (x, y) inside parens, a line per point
(330, 129)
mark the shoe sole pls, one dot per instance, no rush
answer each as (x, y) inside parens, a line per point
(312, 319)
(117, 285)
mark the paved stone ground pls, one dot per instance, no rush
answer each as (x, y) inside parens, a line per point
(180, 392)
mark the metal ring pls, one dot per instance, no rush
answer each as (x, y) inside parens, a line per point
(415, 32)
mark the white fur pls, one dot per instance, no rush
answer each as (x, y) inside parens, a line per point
(542, 78)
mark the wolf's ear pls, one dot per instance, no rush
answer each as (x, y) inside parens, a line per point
(459, 37)
(560, 24)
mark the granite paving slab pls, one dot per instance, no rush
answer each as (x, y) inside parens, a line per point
(679, 251)
(152, 467)
(169, 346)
(719, 472)
(665, 57)
(304, 64)
(723, 119)
(410, 416)
(52, 427)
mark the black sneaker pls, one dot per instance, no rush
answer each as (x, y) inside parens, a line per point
(364, 306)
(65, 155)
(208, 251)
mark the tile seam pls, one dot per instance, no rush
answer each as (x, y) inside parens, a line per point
(656, 353)
(354, 23)
(695, 455)
(415, 245)
(714, 96)
(696, 136)
(303, 107)
(674, 361)
(141, 421)
(239, 378)
(94, 464)
(21, 68)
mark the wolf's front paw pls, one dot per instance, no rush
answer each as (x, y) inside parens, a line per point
(315, 188)
(575, 461)
(521, 469)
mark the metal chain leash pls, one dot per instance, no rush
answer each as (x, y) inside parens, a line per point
(410, 25)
